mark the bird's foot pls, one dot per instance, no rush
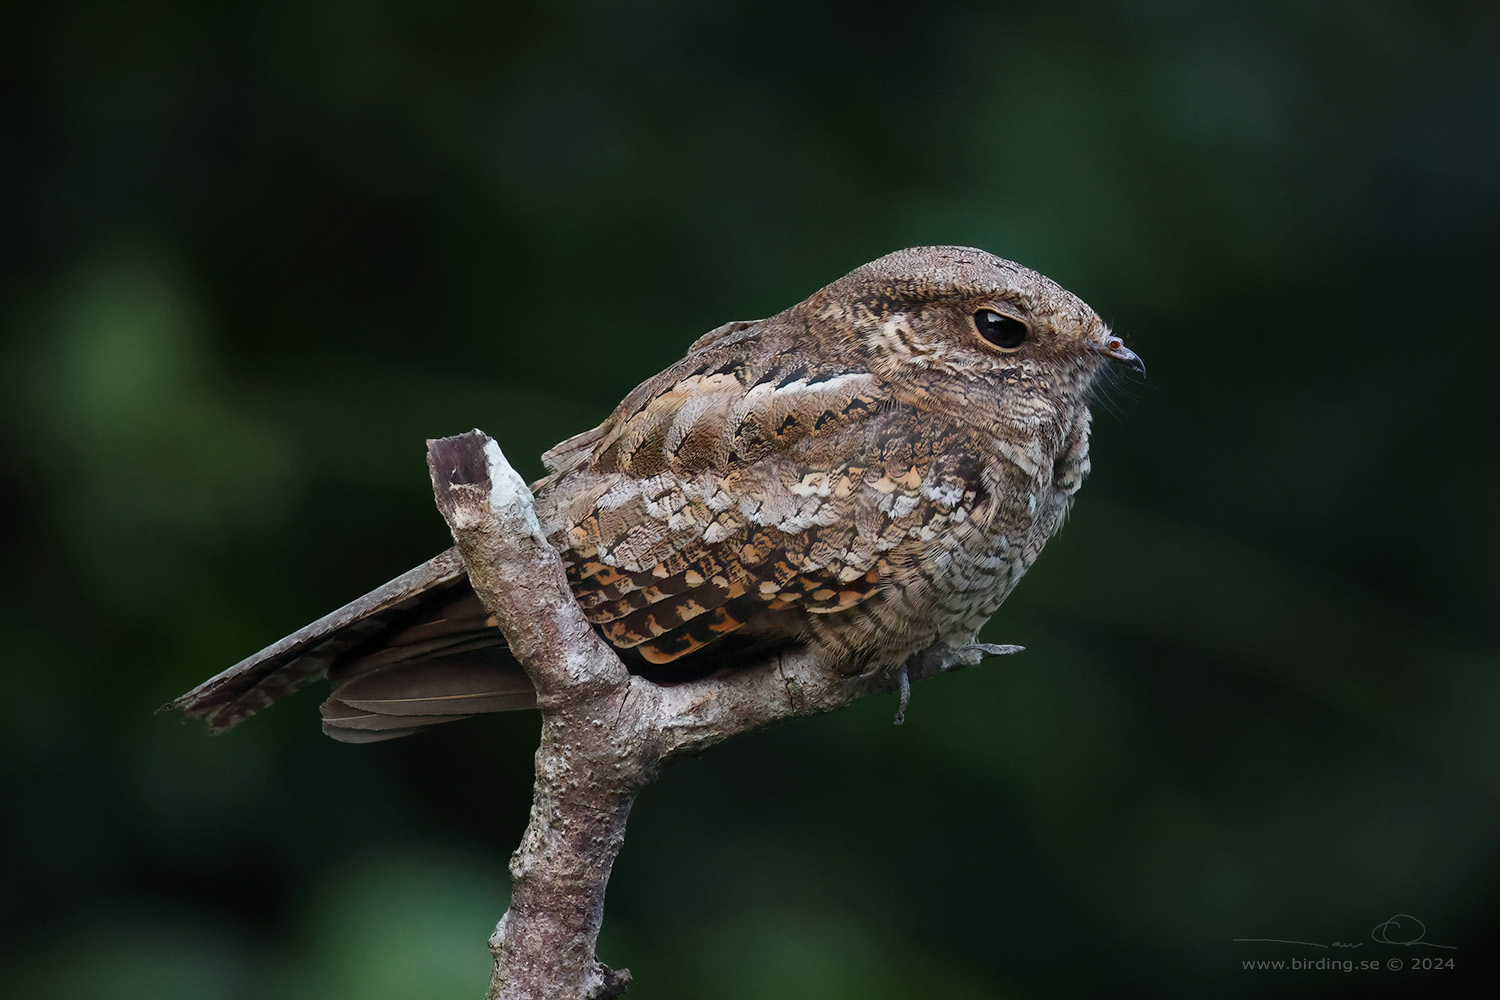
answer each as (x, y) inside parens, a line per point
(940, 660)
(904, 680)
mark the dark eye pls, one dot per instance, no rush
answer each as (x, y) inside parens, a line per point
(1002, 331)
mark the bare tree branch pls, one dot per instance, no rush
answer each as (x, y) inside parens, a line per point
(605, 732)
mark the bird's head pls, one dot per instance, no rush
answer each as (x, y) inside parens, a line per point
(964, 312)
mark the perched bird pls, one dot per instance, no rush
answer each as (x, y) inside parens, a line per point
(866, 475)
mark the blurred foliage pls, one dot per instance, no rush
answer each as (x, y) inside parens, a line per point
(256, 253)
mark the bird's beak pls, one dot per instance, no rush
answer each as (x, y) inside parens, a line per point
(1114, 347)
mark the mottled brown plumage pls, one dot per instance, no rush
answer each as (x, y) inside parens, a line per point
(866, 474)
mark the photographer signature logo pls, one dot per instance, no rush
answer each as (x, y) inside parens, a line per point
(1403, 930)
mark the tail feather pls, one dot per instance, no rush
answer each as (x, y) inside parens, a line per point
(447, 686)
(398, 700)
(425, 615)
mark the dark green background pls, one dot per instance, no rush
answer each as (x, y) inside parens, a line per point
(254, 254)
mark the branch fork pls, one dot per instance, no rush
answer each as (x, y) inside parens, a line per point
(605, 732)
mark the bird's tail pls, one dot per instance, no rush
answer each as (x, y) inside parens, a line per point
(419, 651)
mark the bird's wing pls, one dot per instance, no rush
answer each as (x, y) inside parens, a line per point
(744, 487)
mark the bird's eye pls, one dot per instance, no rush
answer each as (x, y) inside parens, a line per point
(1005, 332)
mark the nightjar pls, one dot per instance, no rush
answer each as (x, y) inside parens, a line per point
(866, 475)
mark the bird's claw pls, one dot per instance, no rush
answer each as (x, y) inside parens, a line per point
(941, 659)
(903, 679)
(945, 658)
